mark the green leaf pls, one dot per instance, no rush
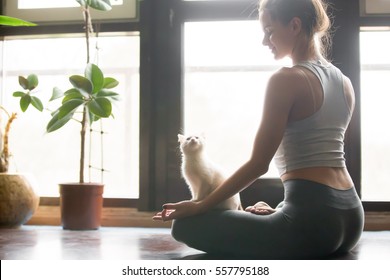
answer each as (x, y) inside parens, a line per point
(108, 94)
(101, 5)
(82, 3)
(110, 82)
(81, 83)
(92, 117)
(95, 75)
(75, 90)
(69, 107)
(32, 81)
(37, 103)
(100, 107)
(18, 94)
(54, 112)
(57, 93)
(25, 102)
(11, 21)
(23, 82)
(56, 122)
(72, 94)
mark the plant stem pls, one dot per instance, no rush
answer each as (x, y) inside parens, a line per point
(5, 152)
(88, 29)
(82, 150)
(84, 121)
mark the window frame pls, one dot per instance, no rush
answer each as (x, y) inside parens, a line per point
(368, 10)
(75, 28)
(165, 86)
(71, 14)
(368, 21)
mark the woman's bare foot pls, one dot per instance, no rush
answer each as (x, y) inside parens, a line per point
(260, 208)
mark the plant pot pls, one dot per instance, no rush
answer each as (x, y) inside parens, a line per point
(18, 200)
(81, 205)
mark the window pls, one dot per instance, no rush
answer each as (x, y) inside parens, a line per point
(375, 85)
(225, 79)
(67, 10)
(53, 59)
(45, 4)
(374, 7)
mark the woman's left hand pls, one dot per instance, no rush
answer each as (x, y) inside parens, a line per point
(178, 210)
(260, 208)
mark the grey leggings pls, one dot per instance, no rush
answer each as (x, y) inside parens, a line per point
(313, 221)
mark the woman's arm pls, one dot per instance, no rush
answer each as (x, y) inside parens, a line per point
(278, 102)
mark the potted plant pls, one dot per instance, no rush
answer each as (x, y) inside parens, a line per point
(18, 200)
(89, 100)
(17, 196)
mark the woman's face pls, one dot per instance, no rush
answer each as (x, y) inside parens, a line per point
(278, 37)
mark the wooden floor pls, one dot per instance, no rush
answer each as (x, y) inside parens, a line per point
(107, 243)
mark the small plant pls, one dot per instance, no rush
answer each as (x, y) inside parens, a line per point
(91, 96)
(26, 98)
(28, 84)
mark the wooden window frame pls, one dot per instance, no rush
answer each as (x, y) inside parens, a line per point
(128, 11)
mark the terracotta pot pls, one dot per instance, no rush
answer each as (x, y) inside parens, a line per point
(81, 205)
(18, 200)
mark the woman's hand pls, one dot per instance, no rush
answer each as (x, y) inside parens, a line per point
(260, 208)
(178, 210)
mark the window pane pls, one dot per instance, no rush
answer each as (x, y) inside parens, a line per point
(43, 11)
(39, 4)
(376, 6)
(375, 85)
(54, 158)
(226, 71)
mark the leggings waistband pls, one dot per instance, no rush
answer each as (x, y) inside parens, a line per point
(309, 192)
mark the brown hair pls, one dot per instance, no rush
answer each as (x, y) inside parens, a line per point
(312, 13)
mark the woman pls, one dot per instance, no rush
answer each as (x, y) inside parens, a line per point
(307, 110)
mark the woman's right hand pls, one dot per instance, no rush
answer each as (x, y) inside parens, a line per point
(260, 208)
(178, 210)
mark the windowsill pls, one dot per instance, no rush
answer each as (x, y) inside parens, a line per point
(377, 221)
(111, 217)
(130, 217)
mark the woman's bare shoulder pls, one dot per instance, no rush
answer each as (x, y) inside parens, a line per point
(286, 78)
(286, 74)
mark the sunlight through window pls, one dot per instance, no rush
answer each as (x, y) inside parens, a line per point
(53, 158)
(226, 71)
(43, 4)
(375, 87)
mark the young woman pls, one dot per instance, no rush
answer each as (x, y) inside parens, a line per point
(307, 110)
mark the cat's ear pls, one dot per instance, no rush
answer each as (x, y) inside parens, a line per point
(180, 138)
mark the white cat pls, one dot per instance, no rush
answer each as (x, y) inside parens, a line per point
(200, 173)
